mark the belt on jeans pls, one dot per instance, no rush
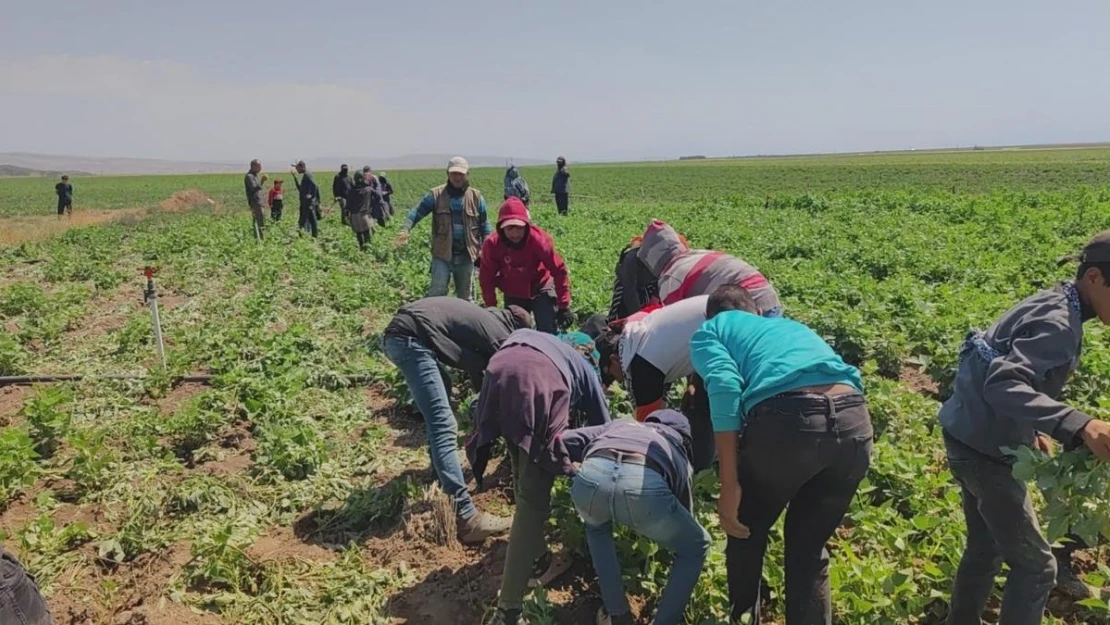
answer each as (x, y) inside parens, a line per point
(625, 457)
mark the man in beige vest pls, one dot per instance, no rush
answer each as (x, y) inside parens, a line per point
(459, 226)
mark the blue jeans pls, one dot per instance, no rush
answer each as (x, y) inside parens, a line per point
(461, 268)
(430, 392)
(774, 313)
(605, 491)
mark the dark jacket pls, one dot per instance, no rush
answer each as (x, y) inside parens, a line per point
(462, 334)
(663, 437)
(634, 286)
(306, 187)
(386, 187)
(1009, 381)
(535, 380)
(64, 191)
(254, 190)
(560, 182)
(341, 185)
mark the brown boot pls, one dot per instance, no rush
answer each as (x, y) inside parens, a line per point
(478, 528)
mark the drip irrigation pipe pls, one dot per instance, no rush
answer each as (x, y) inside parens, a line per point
(23, 380)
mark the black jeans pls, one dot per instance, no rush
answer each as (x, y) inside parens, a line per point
(542, 307)
(695, 405)
(20, 601)
(1001, 527)
(308, 219)
(275, 210)
(808, 452)
(363, 239)
(562, 202)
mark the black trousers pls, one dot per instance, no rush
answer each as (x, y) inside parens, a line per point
(275, 209)
(542, 307)
(20, 600)
(363, 239)
(562, 202)
(307, 220)
(808, 452)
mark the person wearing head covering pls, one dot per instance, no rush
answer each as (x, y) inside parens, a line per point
(361, 203)
(340, 187)
(639, 475)
(309, 194)
(515, 186)
(683, 272)
(531, 386)
(1006, 395)
(560, 186)
(520, 261)
(459, 226)
(792, 433)
(20, 599)
(253, 181)
(422, 339)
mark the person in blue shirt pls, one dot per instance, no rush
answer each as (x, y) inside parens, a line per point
(791, 429)
(459, 227)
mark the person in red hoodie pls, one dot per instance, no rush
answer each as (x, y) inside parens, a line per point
(520, 260)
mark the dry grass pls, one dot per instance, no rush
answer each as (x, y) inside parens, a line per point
(15, 230)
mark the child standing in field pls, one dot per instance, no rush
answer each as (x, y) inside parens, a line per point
(65, 196)
(1005, 395)
(276, 200)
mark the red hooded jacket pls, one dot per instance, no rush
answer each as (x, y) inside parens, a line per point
(521, 271)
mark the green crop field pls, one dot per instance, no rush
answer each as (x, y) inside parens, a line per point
(284, 493)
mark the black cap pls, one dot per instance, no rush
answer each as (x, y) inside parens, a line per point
(343, 166)
(299, 164)
(1097, 250)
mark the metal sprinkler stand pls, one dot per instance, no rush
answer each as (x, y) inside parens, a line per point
(150, 297)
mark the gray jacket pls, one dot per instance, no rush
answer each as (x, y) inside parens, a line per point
(254, 190)
(1011, 376)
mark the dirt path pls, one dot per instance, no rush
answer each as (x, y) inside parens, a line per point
(15, 230)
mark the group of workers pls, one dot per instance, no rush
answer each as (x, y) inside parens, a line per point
(781, 414)
(362, 198)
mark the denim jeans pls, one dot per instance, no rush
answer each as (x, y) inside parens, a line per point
(774, 313)
(1001, 527)
(604, 492)
(424, 377)
(20, 601)
(806, 454)
(461, 268)
(308, 220)
(532, 491)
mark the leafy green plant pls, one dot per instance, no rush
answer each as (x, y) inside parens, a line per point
(290, 448)
(49, 417)
(93, 459)
(17, 462)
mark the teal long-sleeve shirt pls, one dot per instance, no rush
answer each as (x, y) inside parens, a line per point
(745, 359)
(428, 204)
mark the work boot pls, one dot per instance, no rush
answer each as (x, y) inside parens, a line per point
(506, 617)
(603, 618)
(481, 526)
(1070, 585)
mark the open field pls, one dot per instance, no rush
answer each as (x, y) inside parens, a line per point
(284, 494)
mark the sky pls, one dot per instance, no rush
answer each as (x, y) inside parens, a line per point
(591, 79)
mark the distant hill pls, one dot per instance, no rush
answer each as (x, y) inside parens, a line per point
(28, 164)
(10, 171)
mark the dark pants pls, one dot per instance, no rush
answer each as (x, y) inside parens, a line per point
(542, 307)
(808, 452)
(343, 209)
(65, 206)
(562, 202)
(259, 220)
(1001, 527)
(275, 209)
(20, 601)
(695, 405)
(363, 239)
(307, 220)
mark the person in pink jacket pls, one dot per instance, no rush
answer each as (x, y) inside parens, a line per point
(520, 261)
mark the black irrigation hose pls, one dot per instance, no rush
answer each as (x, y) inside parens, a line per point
(22, 380)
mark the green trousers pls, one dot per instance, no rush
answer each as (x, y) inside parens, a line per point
(532, 487)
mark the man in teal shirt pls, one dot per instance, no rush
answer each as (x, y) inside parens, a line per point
(791, 429)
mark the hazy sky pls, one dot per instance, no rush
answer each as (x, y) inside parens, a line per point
(592, 79)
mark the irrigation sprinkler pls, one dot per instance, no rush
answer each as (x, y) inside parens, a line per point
(150, 297)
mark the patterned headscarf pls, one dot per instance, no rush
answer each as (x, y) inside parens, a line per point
(583, 344)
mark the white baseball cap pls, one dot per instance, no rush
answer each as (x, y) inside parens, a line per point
(457, 165)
